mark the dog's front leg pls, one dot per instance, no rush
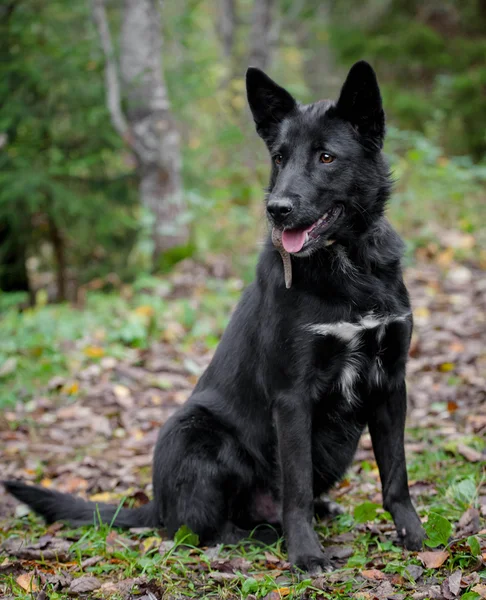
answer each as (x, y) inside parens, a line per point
(294, 433)
(387, 428)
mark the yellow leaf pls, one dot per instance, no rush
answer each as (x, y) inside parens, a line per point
(107, 497)
(422, 312)
(145, 311)
(138, 434)
(173, 332)
(446, 367)
(46, 482)
(71, 388)
(283, 591)
(150, 543)
(445, 257)
(27, 583)
(94, 351)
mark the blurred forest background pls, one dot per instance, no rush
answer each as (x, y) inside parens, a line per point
(128, 155)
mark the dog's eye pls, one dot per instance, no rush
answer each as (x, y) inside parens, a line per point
(278, 159)
(326, 158)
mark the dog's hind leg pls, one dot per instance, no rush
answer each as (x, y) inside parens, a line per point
(197, 475)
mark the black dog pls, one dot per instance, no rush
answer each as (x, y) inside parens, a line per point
(275, 420)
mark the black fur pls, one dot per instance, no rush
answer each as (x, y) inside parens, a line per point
(270, 426)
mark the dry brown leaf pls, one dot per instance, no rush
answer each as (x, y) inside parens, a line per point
(480, 589)
(373, 575)
(271, 558)
(469, 453)
(26, 582)
(451, 586)
(433, 560)
(84, 584)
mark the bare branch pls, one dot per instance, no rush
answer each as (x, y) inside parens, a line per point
(113, 96)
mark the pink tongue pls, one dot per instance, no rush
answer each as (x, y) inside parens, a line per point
(293, 239)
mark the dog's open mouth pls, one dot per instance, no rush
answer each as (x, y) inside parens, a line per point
(293, 240)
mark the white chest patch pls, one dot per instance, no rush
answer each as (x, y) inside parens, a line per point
(351, 334)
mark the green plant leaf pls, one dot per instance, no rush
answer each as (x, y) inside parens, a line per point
(438, 530)
(366, 512)
(185, 536)
(463, 492)
(473, 543)
(250, 585)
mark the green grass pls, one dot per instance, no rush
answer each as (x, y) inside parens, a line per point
(184, 569)
(59, 340)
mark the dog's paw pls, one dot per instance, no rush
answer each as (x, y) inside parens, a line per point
(314, 564)
(411, 538)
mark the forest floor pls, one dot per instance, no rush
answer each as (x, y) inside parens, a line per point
(88, 426)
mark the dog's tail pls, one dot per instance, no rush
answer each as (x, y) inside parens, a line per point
(55, 506)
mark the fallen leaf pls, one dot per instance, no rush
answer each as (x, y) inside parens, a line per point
(106, 497)
(94, 351)
(52, 549)
(480, 589)
(433, 560)
(26, 582)
(91, 561)
(414, 572)
(145, 311)
(71, 388)
(271, 558)
(451, 586)
(469, 453)
(340, 552)
(446, 367)
(8, 366)
(84, 584)
(373, 575)
(468, 523)
(149, 543)
(74, 485)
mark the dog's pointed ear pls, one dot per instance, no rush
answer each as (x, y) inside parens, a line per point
(269, 103)
(360, 104)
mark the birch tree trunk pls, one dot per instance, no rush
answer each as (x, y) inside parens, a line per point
(226, 26)
(148, 127)
(264, 33)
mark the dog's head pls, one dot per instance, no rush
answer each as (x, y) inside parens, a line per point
(329, 180)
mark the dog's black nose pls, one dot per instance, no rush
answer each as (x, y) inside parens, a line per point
(279, 210)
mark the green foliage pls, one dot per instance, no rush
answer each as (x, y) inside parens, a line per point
(366, 511)
(474, 545)
(438, 530)
(63, 165)
(33, 343)
(430, 60)
(185, 536)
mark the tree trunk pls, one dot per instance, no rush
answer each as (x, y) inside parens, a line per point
(264, 33)
(155, 134)
(13, 270)
(58, 246)
(148, 127)
(226, 26)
